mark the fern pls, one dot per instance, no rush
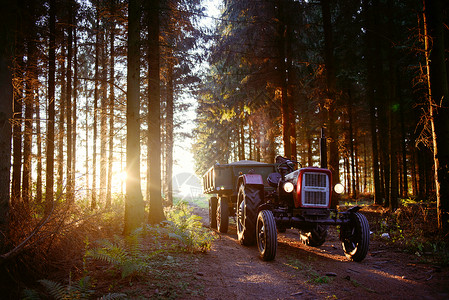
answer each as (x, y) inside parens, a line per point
(79, 290)
(114, 296)
(29, 294)
(129, 261)
(55, 289)
(186, 227)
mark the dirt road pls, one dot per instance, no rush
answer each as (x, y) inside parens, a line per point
(232, 271)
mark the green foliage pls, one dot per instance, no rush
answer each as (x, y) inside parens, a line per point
(79, 290)
(186, 227)
(125, 254)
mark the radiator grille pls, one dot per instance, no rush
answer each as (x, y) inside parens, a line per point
(315, 179)
(315, 189)
(315, 198)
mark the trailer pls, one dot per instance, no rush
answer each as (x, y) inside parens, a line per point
(221, 181)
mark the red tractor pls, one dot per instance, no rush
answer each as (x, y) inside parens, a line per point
(269, 198)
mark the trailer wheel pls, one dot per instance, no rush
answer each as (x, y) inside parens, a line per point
(213, 202)
(222, 215)
(248, 200)
(316, 237)
(266, 235)
(355, 237)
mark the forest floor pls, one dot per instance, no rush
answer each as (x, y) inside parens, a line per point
(392, 269)
(232, 271)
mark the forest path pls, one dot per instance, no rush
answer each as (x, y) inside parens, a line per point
(232, 271)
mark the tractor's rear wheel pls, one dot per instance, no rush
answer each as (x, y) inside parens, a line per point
(223, 215)
(266, 235)
(248, 200)
(213, 202)
(355, 237)
(315, 237)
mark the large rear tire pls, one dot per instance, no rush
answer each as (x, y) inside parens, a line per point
(355, 237)
(223, 215)
(266, 235)
(213, 202)
(315, 237)
(248, 200)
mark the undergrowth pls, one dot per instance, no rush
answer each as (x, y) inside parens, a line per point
(412, 228)
(152, 262)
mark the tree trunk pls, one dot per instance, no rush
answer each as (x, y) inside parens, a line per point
(370, 42)
(111, 109)
(88, 170)
(6, 110)
(61, 129)
(331, 94)
(69, 195)
(351, 147)
(103, 115)
(439, 104)
(156, 213)
(75, 100)
(30, 83)
(49, 179)
(17, 125)
(282, 69)
(134, 205)
(404, 185)
(38, 154)
(169, 133)
(95, 117)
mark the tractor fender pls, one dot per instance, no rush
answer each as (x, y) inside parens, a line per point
(250, 179)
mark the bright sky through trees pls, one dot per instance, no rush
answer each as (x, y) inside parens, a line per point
(183, 158)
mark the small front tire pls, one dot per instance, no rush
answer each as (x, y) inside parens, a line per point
(355, 237)
(266, 235)
(248, 200)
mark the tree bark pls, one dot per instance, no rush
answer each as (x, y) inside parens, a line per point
(95, 117)
(103, 117)
(69, 194)
(156, 213)
(439, 104)
(50, 155)
(6, 113)
(169, 132)
(38, 154)
(134, 205)
(61, 129)
(17, 123)
(334, 158)
(111, 108)
(30, 83)
(370, 42)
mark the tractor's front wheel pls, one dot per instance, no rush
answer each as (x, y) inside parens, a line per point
(266, 235)
(248, 200)
(355, 237)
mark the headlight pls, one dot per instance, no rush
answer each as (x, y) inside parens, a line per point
(339, 188)
(288, 187)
